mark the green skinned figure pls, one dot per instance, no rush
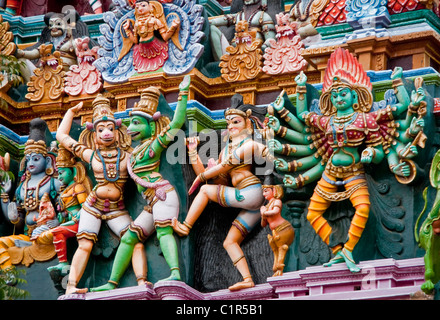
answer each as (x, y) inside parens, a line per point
(155, 132)
(333, 145)
(428, 235)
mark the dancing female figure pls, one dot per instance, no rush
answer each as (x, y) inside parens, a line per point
(328, 145)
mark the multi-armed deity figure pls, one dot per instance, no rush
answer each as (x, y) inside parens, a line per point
(36, 182)
(333, 145)
(77, 186)
(155, 132)
(234, 168)
(104, 145)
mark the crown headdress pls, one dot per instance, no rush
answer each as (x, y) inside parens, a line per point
(65, 159)
(147, 105)
(344, 70)
(102, 110)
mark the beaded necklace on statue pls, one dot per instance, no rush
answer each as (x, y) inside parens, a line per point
(339, 124)
(31, 199)
(112, 174)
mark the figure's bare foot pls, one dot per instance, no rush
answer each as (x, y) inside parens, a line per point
(181, 229)
(72, 290)
(245, 284)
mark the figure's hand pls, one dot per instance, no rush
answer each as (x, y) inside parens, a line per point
(274, 146)
(274, 123)
(5, 183)
(175, 23)
(195, 185)
(402, 169)
(191, 143)
(290, 182)
(417, 125)
(75, 109)
(184, 85)
(417, 96)
(367, 155)
(211, 163)
(126, 25)
(278, 104)
(281, 165)
(301, 79)
(410, 151)
(397, 73)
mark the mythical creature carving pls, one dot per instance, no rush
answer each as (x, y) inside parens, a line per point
(119, 59)
(243, 61)
(48, 81)
(83, 78)
(284, 55)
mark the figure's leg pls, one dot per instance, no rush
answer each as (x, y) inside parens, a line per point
(169, 249)
(274, 248)
(79, 263)
(232, 247)
(284, 239)
(207, 192)
(121, 262)
(317, 208)
(59, 237)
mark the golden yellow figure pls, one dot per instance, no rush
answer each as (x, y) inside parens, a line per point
(283, 233)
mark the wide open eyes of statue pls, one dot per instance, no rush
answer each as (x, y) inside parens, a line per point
(341, 97)
(139, 128)
(36, 163)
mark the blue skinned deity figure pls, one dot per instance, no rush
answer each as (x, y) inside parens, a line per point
(148, 37)
(37, 182)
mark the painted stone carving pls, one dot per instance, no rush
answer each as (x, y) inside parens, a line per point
(243, 61)
(48, 82)
(36, 182)
(7, 45)
(76, 187)
(60, 31)
(244, 191)
(284, 55)
(254, 12)
(155, 132)
(306, 13)
(104, 144)
(427, 236)
(328, 144)
(83, 78)
(129, 45)
(283, 233)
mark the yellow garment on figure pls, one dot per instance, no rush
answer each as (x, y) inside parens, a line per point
(357, 192)
(5, 244)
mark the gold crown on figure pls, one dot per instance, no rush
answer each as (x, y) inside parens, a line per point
(102, 110)
(65, 159)
(147, 105)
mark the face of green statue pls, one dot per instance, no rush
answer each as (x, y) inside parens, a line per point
(66, 175)
(139, 128)
(343, 98)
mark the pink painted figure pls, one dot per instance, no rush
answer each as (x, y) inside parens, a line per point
(83, 78)
(284, 55)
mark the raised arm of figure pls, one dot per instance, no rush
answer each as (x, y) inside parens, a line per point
(400, 91)
(67, 141)
(301, 95)
(178, 119)
(286, 115)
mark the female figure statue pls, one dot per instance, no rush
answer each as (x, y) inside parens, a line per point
(234, 165)
(149, 52)
(155, 132)
(329, 144)
(77, 186)
(104, 145)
